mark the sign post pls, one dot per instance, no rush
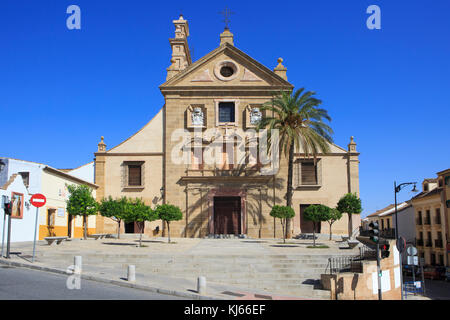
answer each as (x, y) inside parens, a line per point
(37, 200)
(5, 200)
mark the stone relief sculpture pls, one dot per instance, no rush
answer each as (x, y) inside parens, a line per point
(197, 116)
(255, 116)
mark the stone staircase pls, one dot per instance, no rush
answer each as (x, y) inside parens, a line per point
(284, 274)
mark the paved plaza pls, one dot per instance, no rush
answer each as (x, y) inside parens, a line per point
(234, 268)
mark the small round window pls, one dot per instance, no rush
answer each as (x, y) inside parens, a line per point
(226, 71)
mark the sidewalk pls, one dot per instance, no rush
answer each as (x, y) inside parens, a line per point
(48, 259)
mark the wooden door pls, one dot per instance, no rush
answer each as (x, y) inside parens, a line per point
(227, 215)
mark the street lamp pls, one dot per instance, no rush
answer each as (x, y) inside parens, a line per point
(397, 189)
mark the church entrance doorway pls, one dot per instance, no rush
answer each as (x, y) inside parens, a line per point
(227, 215)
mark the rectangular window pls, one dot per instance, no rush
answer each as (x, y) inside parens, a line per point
(134, 175)
(309, 173)
(226, 112)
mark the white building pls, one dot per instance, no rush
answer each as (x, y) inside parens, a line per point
(21, 179)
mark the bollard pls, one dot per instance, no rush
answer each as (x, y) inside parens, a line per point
(201, 285)
(131, 273)
(77, 264)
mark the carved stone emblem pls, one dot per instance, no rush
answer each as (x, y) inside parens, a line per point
(255, 116)
(197, 116)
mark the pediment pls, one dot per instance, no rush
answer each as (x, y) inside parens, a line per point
(245, 72)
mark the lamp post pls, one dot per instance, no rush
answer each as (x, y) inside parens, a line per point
(397, 189)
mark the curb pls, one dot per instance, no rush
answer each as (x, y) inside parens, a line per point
(114, 282)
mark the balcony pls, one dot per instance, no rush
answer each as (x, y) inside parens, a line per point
(429, 244)
(419, 221)
(437, 220)
(427, 221)
(438, 243)
(420, 242)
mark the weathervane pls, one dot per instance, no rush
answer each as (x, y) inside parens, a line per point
(226, 13)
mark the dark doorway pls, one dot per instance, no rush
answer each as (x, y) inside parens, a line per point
(307, 226)
(227, 215)
(69, 225)
(133, 227)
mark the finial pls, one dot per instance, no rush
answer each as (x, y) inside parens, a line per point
(280, 60)
(181, 17)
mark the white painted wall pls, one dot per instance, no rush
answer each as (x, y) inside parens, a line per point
(35, 170)
(85, 172)
(21, 229)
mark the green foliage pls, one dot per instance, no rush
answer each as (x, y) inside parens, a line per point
(113, 208)
(138, 211)
(168, 212)
(350, 204)
(299, 120)
(335, 215)
(81, 202)
(282, 212)
(317, 213)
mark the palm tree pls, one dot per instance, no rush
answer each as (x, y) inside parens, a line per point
(300, 123)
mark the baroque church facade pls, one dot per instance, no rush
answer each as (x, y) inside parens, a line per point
(201, 153)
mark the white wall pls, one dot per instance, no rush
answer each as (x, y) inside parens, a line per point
(35, 170)
(21, 229)
(85, 172)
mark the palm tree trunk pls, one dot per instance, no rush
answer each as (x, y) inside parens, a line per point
(289, 186)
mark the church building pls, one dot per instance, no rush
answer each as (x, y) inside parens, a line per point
(198, 152)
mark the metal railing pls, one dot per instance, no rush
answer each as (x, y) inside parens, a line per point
(429, 243)
(420, 242)
(427, 221)
(419, 221)
(437, 220)
(344, 264)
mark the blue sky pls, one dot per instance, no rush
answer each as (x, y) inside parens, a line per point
(60, 89)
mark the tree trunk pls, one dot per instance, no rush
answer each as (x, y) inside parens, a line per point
(314, 234)
(282, 230)
(350, 225)
(141, 229)
(289, 186)
(330, 230)
(85, 227)
(168, 230)
(118, 229)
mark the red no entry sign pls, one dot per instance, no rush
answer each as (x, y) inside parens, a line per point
(38, 200)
